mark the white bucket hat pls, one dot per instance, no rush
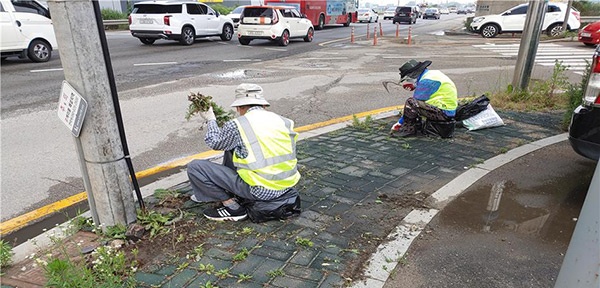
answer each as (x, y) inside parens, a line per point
(249, 94)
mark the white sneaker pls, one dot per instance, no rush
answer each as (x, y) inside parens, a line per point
(193, 198)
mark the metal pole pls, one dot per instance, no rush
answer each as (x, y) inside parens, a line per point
(529, 43)
(566, 20)
(85, 69)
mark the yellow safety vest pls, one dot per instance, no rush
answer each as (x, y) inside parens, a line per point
(446, 97)
(271, 144)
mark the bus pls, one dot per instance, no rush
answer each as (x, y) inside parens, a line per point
(323, 12)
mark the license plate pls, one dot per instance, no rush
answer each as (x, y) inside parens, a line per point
(401, 14)
(584, 34)
(255, 33)
(146, 21)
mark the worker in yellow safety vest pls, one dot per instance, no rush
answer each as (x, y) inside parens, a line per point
(259, 162)
(435, 97)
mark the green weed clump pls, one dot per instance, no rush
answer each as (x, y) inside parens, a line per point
(5, 255)
(110, 14)
(574, 95)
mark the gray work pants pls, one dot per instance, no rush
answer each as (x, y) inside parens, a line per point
(215, 182)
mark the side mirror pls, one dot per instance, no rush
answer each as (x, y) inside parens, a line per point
(217, 13)
(506, 13)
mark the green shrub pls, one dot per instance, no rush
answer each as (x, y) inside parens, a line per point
(109, 14)
(587, 8)
(574, 95)
(223, 10)
(5, 254)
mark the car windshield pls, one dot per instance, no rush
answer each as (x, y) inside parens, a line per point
(404, 9)
(430, 11)
(155, 9)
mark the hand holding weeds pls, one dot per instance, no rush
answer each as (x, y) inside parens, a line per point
(205, 107)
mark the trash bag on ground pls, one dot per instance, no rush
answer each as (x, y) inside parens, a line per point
(486, 119)
(472, 108)
(283, 207)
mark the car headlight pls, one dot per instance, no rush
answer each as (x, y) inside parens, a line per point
(477, 19)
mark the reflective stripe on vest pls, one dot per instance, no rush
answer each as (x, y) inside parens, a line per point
(277, 170)
(446, 97)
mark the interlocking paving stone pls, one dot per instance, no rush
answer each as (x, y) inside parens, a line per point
(180, 279)
(149, 279)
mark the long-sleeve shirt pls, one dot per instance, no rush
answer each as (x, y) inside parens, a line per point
(228, 138)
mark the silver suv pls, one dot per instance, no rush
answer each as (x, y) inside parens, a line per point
(183, 21)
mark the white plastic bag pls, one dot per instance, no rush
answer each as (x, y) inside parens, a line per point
(484, 119)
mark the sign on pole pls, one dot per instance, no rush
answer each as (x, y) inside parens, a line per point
(71, 108)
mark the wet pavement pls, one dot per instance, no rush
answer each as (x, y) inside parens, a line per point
(510, 229)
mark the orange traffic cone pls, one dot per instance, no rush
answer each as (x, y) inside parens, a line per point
(374, 36)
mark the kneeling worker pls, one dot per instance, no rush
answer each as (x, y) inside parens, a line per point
(259, 162)
(435, 97)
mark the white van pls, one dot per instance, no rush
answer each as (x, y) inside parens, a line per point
(26, 30)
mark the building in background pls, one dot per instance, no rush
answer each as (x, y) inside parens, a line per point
(487, 7)
(122, 5)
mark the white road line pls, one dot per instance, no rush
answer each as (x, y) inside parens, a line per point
(46, 70)
(276, 49)
(241, 60)
(330, 58)
(151, 64)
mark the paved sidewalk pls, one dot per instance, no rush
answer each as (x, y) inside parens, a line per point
(357, 186)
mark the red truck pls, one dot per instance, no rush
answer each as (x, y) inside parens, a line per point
(323, 12)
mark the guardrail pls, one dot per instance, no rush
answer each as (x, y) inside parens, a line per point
(585, 19)
(115, 22)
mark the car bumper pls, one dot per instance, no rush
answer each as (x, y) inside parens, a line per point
(584, 132)
(593, 39)
(155, 35)
(403, 19)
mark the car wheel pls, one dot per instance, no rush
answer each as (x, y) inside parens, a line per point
(310, 34)
(244, 41)
(227, 33)
(489, 30)
(348, 20)
(554, 30)
(187, 36)
(370, 20)
(393, 22)
(147, 41)
(285, 38)
(586, 44)
(39, 51)
(321, 22)
(377, 19)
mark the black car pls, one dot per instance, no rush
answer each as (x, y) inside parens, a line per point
(406, 14)
(584, 131)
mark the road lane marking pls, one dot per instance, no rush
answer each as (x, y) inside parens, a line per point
(46, 70)
(241, 60)
(156, 63)
(276, 49)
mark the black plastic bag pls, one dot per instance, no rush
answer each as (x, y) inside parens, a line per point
(444, 129)
(283, 207)
(468, 110)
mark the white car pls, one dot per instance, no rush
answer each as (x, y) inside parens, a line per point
(368, 15)
(513, 20)
(235, 15)
(26, 30)
(444, 11)
(275, 23)
(183, 21)
(389, 13)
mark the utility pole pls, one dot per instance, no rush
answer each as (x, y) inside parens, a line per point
(101, 149)
(529, 43)
(566, 20)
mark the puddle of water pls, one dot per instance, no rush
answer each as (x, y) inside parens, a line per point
(547, 210)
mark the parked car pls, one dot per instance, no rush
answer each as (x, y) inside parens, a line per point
(275, 23)
(406, 14)
(367, 15)
(389, 13)
(461, 11)
(584, 130)
(444, 11)
(590, 34)
(235, 15)
(433, 13)
(513, 20)
(27, 30)
(183, 21)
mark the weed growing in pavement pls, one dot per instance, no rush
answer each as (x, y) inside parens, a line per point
(275, 273)
(208, 285)
(105, 267)
(166, 194)
(243, 277)
(154, 222)
(197, 253)
(574, 95)
(304, 242)
(242, 255)
(362, 125)
(208, 268)
(5, 255)
(246, 231)
(403, 260)
(405, 146)
(116, 232)
(541, 95)
(502, 150)
(223, 273)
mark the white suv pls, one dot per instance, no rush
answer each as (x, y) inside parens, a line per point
(513, 20)
(177, 20)
(275, 23)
